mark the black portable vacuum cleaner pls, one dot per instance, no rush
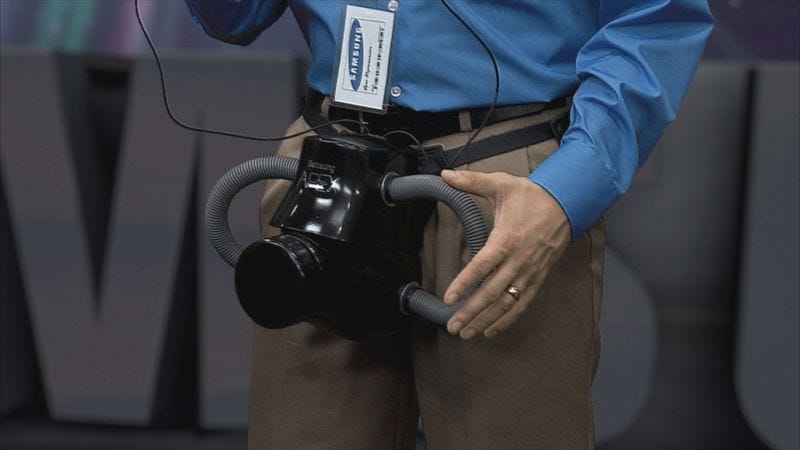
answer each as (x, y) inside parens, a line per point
(352, 222)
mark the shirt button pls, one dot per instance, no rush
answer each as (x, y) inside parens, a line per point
(396, 91)
(394, 5)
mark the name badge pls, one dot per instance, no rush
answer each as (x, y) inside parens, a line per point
(362, 71)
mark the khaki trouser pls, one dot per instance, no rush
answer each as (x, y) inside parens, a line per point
(528, 388)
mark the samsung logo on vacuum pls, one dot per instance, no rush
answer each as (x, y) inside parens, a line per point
(355, 48)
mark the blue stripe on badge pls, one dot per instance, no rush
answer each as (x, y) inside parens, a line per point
(356, 63)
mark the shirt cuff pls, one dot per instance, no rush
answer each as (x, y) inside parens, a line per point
(580, 182)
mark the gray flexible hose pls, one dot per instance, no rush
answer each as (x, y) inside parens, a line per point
(412, 297)
(228, 186)
(433, 187)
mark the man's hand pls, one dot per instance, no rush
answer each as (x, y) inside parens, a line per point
(530, 233)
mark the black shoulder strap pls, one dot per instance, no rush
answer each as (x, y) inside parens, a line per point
(433, 159)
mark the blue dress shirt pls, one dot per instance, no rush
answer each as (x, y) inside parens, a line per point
(629, 63)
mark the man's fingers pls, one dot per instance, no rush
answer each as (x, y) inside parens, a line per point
(492, 291)
(481, 265)
(501, 324)
(501, 306)
(477, 183)
(509, 317)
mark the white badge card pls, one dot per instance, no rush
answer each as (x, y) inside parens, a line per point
(363, 68)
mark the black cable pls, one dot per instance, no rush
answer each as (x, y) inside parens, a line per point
(207, 130)
(362, 124)
(413, 138)
(449, 164)
(405, 133)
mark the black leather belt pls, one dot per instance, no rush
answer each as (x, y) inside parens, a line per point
(428, 125)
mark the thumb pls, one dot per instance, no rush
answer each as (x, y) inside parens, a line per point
(468, 181)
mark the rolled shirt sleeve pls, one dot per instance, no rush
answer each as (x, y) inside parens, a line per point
(235, 21)
(634, 73)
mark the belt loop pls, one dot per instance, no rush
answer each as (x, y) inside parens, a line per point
(325, 107)
(559, 125)
(315, 112)
(465, 120)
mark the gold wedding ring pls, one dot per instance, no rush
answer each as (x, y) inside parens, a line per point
(513, 291)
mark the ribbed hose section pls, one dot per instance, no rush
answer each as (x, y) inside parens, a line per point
(412, 297)
(433, 309)
(225, 190)
(433, 187)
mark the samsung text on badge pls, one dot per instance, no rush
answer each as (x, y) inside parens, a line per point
(362, 73)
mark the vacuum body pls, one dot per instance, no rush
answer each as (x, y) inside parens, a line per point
(343, 253)
(347, 257)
